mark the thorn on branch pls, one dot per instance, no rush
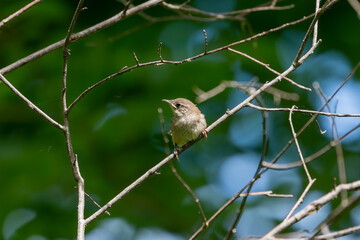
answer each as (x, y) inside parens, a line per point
(159, 52)
(205, 39)
(136, 59)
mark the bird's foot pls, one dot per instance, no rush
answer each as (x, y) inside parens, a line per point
(176, 154)
(204, 133)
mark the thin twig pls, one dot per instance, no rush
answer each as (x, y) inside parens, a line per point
(183, 9)
(270, 69)
(77, 36)
(265, 144)
(326, 6)
(300, 200)
(329, 114)
(129, 3)
(227, 114)
(30, 104)
(205, 42)
(159, 62)
(80, 35)
(338, 147)
(159, 52)
(314, 156)
(229, 202)
(352, 202)
(312, 207)
(315, 34)
(136, 59)
(95, 202)
(72, 156)
(130, 187)
(339, 233)
(356, 6)
(236, 109)
(18, 12)
(313, 117)
(297, 144)
(277, 93)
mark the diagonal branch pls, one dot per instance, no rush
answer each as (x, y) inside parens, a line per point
(269, 68)
(17, 13)
(318, 13)
(312, 208)
(162, 61)
(30, 104)
(297, 145)
(80, 35)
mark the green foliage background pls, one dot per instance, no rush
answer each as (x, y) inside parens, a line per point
(116, 131)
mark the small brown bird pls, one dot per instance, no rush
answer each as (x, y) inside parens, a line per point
(188, 122)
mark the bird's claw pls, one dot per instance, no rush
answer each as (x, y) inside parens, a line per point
(204, 133)
(176, 154)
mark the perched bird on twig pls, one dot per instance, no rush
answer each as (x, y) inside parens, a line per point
(188, 122)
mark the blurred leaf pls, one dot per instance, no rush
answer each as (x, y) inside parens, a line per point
(15, 220)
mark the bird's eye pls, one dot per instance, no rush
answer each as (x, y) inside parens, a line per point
(178, 105)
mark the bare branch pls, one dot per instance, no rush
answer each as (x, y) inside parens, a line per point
(271, 7)
(130, 187)
(314, 156)
(180, 150)
(315, 115)
(159, 52)
(304, 111)
(96, 204)
(356, 6)
(338, 147)
(17, 13)
(229, 113)
(352, 202)
(297, 145)
(300, 200)
(136, 60)
(205, 42)
(269, 68)
(80, 35)
(338, 234)
(312, 208)
(183, 9)
(73, 157)
(315, 35)
(326, 6)
(159, 62)
(277, 93)
(265, 144)
(129, 3)
(30, 104)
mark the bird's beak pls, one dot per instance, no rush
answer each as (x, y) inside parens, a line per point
(170, 103)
